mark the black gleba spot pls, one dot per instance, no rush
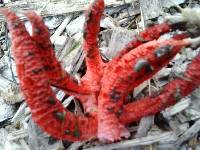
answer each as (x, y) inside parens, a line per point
(51, 100)
(67, 132)
(163, 51)
(76, 134)
(61, 116)
(143, 64)
(38, 70)
(115, 95)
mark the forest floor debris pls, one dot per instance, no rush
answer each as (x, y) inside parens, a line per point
(176, 128)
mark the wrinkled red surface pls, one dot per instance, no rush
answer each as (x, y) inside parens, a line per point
(57, 76)
(171, 94)
(104, 87)
(125, 75)
(94, 62)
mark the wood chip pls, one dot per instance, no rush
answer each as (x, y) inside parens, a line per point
(168, 136)
(150, 9)
(120, 37)
(55, 7)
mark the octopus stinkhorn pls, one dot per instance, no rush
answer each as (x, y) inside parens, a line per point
(105, 86)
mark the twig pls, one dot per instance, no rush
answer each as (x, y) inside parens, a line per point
(10, 59)
(189, 133)
(129, 16)
(20, 134)
(7, 79)
(60, 29)
(19, 112)
(10, 66)
(43, 8)
(168, 136)
(68, 101)
(112, 19)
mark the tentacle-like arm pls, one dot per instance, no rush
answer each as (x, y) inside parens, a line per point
(47, 111)
(57, 76)
(131, 70)
(171, 94)
(90, 45)
(38, 69)
(152, 33)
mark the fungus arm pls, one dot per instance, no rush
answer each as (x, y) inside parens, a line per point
(47, 111)
(57, 76)
(124, 75)
(94, 62)
(173, 92)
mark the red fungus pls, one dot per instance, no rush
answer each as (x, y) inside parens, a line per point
(102, 96)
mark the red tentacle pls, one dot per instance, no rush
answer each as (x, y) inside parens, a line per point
(149, 34)
(36, 74)
(152, 33)
(171, 94)
(90, 45)
(128, 72)
(47, 111)
(57, 76)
